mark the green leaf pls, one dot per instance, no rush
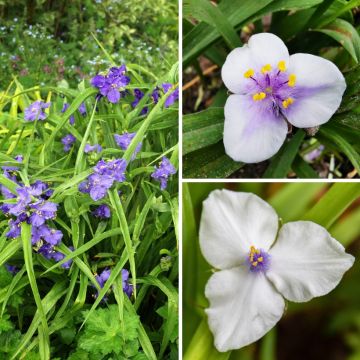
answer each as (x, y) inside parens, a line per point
(204, 10)
(281, 163)
(344, 33)
(202, 129)
(338, 198)
(10, 249)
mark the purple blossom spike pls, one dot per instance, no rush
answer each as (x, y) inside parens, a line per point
(102, 212)
(35, 111)
(163, 172)
(124, 140)
(68, 140)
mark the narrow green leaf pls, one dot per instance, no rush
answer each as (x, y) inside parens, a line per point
(9, 250)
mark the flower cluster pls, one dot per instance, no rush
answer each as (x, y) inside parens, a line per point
(35, 111)
(105, 173)
(30, 205)
(112, 85)
(163, 172)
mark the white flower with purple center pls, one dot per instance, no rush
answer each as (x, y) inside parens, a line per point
(271, 89)
(261, 265)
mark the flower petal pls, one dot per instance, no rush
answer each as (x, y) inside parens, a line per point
(318, 90)
(243, 307)
(252, 133)
(262, 49)
(306, 261)
(230, 223)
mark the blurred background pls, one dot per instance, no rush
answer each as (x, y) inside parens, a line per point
(47, 41)
(327, 327)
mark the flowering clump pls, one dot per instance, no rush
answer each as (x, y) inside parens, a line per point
(31, 206)
(261, 265)
(105, 173)
(112, 85)
(36, 111)
(124, 140)
(68, 141)
(163, 172)
(271, 89)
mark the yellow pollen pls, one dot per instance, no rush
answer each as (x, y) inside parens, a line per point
(260, 259)
(282, 65)
(266, 68)
(292, 80)
(259, 96)
(254, 263)
(249, 73)
(287, 102)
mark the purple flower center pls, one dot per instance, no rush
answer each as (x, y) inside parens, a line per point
(272, 88)
(258, 260)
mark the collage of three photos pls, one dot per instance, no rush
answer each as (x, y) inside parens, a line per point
(179, 180)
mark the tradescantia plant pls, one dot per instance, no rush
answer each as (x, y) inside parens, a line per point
(88, 246)
(289, 97)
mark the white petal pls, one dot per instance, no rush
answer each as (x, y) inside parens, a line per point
(262, 49)
(251, 133)
(306, 261)
(318, 90)
(268, 48)
(230, 223)
(237, 63)
(243, 307)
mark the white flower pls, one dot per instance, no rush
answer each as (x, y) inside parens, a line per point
(271, 87)
(237, 236)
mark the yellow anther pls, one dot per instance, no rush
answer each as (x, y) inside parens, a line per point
(254, 263)
(292, 80)
(260, 259)
(259, 96)
(266, 68)
(249, 73)
(287, 102)
(282, 65)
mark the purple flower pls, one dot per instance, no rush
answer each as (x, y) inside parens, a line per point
(15, 230)
(103, 277)
(114, 168)
(163, 172)
(155, 95)
(102, 212)
(99, 185)
(272, 89)
(12, 269)
(68, 141)
(49, 253)
(72, 118)
(174, 96)
(43, 232)
(124, 140)
(314, 154)
(112, 84)
(82, 109)
(138, 96)
(127, 288)
(43, 211)
(90, 148)
(35, 111)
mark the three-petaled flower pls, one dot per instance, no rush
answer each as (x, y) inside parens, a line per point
(237, 236)
(271, 88)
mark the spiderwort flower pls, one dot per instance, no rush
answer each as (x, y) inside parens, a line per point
(112, 84)
(174, 96)
(138, 96)
(163, 172)
(124, 140)
(35, 111)
(92, 148)
(102, 212)
(271, 88)
(237, 236)
(68, 141)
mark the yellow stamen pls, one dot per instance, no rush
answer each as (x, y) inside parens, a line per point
(282, 65)
(266, 68)
(260, 259)
(254, 263)
(292, 80)
(259, 96)
(249, 73)
(287, 102)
